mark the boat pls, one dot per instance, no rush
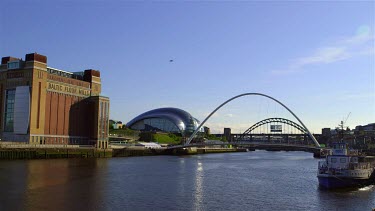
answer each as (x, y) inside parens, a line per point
(345, 167)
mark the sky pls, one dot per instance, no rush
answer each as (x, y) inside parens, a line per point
(316, 57)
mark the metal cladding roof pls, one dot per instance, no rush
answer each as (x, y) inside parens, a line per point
(178, 116)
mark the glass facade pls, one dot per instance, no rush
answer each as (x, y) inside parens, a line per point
(9, 110)
(76, 75)
(193, 124)
(172, 120)
(13, 65)
(156, 124)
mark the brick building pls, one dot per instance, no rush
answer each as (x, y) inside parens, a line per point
(45, 105)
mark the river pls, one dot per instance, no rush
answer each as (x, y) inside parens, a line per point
(257, 180)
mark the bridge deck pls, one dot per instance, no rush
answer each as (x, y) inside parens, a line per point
(251, 144)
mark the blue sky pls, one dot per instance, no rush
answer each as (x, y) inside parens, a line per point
(316, 57)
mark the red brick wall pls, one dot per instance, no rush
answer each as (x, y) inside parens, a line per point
(68, 80)
(36, 57)
(1, 106)
(67, 115)
(60, 114)
(47, 113)
(68, 102)
(53, 115)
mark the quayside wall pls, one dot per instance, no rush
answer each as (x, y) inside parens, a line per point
(48, 153)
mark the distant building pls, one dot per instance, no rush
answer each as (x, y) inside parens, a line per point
(326, 132)
(228, 134)
(172, 120)
(358, 138)
(116, 124)
(207, 130)
(368, 129)
(44, 105)
(334, 132)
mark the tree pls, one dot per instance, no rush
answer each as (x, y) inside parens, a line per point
(224, 139)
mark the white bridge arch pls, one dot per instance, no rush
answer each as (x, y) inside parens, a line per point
(246, 94)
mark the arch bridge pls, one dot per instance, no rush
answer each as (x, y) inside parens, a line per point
(316, 143)
(274, 130)
(275, 120)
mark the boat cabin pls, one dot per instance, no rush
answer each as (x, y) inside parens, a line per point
(340, 149)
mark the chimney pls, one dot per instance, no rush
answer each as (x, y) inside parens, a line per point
(7, 59)
(36, 57)
(89, 74)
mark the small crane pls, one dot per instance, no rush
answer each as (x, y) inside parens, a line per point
(347, 117)
(341, 125)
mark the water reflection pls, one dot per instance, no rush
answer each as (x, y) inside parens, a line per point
(198, 195)
(367, 188)
(272, 181)
(53, 184)
(13, 185)
(181, 177)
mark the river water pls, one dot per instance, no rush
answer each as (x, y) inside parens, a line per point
(257, 180)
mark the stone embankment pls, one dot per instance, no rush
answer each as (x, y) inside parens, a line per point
(26, 151)
(141, 151)
(55, 151)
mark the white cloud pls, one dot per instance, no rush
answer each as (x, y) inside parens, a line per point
(322, 56)
(345, 48)
(360, 38)
(229, 115)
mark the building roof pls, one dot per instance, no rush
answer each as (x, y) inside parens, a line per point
(148, 144)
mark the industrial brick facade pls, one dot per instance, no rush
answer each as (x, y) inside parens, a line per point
(44, 105)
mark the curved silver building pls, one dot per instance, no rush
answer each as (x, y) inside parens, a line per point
(172, 120)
